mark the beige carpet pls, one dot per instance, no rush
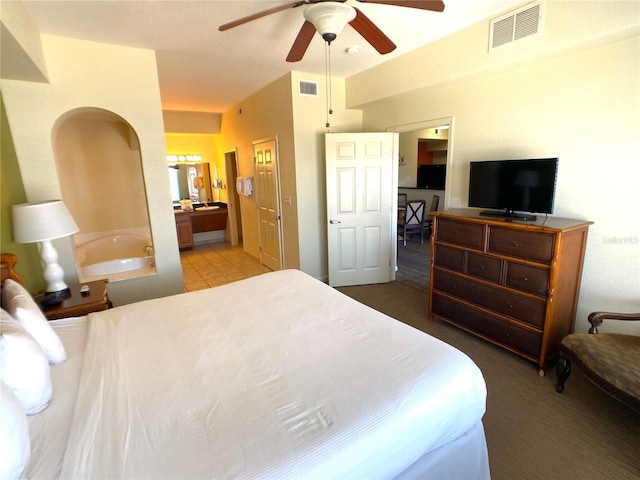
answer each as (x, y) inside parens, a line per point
(532, 431)
(413, 263)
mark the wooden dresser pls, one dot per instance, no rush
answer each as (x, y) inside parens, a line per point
(512, 283)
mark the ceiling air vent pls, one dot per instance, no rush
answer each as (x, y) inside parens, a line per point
(517, 24)
(308, 88)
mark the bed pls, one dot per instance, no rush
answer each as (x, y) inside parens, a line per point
(276, 376)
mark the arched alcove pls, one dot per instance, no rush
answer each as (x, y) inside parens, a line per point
(99, 166)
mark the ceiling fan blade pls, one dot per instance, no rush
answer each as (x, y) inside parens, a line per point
(301, 42)
(261, 14)
(371, 33)
(432, 5)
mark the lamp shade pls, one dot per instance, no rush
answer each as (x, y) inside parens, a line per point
(36, 222)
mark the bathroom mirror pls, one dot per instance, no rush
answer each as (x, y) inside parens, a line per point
(190, 181)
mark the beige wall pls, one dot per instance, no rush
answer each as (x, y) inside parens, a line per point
(579, 104)
(22, 56)
(191, 122)
(299, 124)
(265, 114)
(83, 74)
(100, 173)
(309, 127)
(568, 26)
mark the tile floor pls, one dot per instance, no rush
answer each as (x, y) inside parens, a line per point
(213, 264)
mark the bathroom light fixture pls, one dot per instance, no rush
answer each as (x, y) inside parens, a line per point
(184, 157)
(42, 222)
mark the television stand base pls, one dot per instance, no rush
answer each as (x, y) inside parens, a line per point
(527, 217)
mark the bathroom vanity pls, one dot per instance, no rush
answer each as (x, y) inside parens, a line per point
(198, 220)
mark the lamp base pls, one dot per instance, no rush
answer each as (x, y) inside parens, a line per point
(53, 273)
(65, 292)
(51, 299)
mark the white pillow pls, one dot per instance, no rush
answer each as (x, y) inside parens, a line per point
(15, 446)
(23, 365)
(21, 306)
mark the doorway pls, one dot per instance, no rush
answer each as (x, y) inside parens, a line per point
(233, 206)
(427, 142)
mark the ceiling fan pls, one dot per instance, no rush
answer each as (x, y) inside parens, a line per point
(329, 17)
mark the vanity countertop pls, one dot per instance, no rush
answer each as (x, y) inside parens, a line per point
(202, 208)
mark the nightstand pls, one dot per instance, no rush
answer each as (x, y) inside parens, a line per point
(76, 304)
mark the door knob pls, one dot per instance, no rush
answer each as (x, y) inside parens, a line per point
(333, 222)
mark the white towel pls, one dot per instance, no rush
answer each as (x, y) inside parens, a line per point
(244, 186)
(248, 186)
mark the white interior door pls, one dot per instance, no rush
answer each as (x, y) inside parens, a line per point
(362, 181)
(268, 203)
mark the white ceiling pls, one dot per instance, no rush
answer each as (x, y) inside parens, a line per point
(202, 69)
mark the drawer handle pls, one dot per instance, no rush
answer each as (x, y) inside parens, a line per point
(482, 267)
(510, 305)
(525, 279)
(515, 243)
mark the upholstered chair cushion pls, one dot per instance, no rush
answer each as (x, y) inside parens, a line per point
(609, 357)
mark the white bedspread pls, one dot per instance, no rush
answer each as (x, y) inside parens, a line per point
(278, 376)
(49, 430)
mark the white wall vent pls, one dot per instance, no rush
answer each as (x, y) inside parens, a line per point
(308, 88)
(517, 24)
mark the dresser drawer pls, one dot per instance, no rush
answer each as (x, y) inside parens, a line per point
(506, 303)
(534, 246)
(461, 233)
(512, 336)
(451, 258)
(484, 267)
(527, 278)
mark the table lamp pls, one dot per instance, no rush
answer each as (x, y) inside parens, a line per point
(42, 222)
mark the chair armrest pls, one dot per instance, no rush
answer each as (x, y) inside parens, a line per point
(596, 318)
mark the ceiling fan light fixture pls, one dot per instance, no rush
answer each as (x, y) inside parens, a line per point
(329, 18)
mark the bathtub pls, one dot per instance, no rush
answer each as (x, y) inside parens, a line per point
(109, 256)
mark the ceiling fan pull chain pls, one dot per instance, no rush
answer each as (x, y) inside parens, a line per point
(327, 69)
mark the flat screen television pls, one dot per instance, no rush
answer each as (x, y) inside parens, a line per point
(510, 187)
(432, 176)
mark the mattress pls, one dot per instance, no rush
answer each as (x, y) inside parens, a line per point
(276, 376)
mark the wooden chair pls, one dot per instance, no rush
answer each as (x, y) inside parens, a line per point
(428, 222)
(402, 207)
(610, 360)
(413, 220)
